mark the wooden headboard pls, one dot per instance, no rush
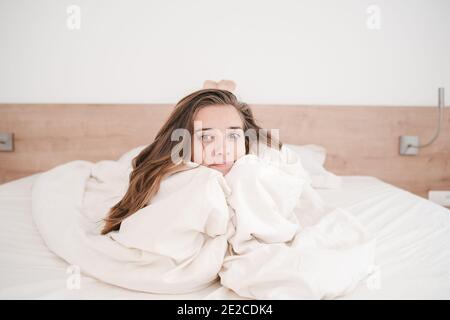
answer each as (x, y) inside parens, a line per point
(359, 140)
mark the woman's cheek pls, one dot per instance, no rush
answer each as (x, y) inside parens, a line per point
(240, 149)
(197, 152)
(203, 154)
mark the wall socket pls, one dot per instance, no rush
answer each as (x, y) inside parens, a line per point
(6, 141)
(440, 197)
(407, 140)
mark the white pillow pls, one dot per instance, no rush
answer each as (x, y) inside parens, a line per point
(128, 156)
(313, 157)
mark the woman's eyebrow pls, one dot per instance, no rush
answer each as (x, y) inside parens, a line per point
(205, 129)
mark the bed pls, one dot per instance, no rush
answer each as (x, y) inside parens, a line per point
(412, 258)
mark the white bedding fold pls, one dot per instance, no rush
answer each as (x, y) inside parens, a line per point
(262, 228)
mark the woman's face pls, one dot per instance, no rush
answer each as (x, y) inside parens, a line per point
(218, 139)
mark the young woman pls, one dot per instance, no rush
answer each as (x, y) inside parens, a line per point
(221, 130)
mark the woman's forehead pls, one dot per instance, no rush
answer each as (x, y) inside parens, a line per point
(218, 117)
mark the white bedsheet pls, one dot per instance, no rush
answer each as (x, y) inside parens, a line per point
(413, 248)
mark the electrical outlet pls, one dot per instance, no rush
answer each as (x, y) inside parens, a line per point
(440, 197)
(6, 141)
(405, 149)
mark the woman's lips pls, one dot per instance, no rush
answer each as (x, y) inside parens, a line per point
(220, 165)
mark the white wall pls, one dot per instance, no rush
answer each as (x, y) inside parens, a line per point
(302, 52)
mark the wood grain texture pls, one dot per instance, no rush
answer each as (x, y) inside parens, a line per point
(365, 141)
(360, 140)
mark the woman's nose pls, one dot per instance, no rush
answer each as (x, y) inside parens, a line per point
(220, 148)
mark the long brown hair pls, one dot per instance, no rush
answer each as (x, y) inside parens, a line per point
(154, 162)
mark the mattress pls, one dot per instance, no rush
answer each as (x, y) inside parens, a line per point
(412, 257)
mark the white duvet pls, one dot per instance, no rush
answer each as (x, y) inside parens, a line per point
(262, 229)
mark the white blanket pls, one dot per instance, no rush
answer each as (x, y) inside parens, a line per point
(262, 229)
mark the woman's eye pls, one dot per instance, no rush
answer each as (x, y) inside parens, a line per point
(234, 135)
(206, 138)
